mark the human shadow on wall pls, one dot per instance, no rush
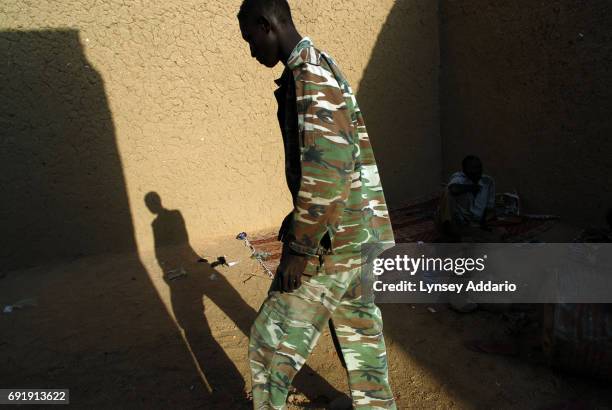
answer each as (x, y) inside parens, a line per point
(177, 261)
(190, 282)
(100, 327)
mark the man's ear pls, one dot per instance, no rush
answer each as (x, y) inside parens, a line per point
(264, 23)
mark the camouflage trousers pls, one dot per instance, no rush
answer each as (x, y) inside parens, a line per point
(289, 325)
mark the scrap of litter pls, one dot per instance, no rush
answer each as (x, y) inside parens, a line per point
(260, 256)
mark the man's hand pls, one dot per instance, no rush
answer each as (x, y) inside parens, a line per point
(290, 270)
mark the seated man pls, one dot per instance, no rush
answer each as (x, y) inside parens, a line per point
(467, 204)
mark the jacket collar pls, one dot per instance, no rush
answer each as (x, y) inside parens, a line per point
(302, 52)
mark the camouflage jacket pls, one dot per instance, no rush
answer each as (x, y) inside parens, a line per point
(331, 172)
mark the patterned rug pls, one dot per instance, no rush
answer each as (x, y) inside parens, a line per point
(413, 222)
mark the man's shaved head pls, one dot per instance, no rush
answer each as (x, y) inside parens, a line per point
(268, 28)
(470, 160)
(278, 9)
(472, 168)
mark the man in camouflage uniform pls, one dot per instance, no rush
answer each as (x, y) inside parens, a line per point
(339, 205)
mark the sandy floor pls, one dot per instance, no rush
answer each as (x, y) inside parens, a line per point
(118, 335)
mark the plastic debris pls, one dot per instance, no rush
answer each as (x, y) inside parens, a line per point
(176, 273)
(29, 302)
(221, 260)
(431, 310)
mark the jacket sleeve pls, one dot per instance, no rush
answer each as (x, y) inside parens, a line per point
(327, 157)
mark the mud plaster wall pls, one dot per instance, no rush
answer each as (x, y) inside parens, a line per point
(528, 87)
(105, 101)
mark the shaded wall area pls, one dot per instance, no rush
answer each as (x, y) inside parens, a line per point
(398, 95)
(63, 189)
(528, 87)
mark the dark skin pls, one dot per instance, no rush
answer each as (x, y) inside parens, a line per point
(272, 41)
(473, 170)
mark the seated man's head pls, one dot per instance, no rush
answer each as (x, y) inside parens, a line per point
(264, 24)
(472, 168)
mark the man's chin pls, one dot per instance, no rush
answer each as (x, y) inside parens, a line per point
(269, 64)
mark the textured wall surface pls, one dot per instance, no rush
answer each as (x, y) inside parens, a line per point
(528, 87)
(105, 101)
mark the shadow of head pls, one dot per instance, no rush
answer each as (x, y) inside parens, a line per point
(153, 202)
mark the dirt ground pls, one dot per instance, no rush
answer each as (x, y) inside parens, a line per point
(119, 335)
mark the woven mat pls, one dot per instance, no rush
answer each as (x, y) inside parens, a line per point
(413, 222)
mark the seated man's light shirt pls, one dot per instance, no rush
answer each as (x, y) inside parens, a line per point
(485, 199)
